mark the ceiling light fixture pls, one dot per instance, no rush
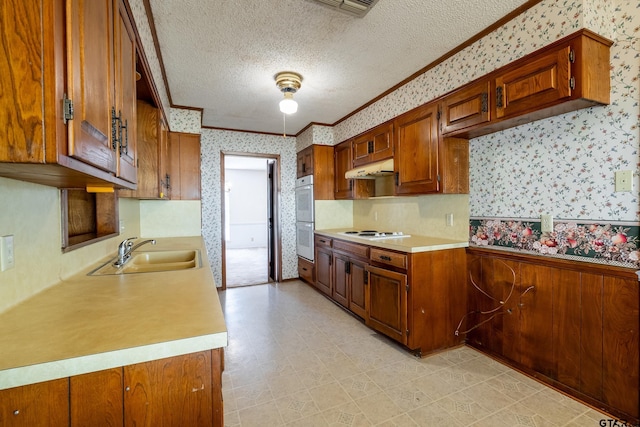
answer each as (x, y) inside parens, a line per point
(288, 82)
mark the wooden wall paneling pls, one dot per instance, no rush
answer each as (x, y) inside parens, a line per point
(621, 340)
(96, 398)
(536, 331)
(591, 335)
(566, 318)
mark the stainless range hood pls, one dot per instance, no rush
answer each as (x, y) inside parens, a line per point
(371, 170)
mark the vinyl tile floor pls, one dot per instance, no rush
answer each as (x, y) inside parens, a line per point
(296, 359)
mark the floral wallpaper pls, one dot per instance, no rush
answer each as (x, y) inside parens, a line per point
(611, 243)
(565, 166)
(315, 134)
(183, 120)
(212, 143)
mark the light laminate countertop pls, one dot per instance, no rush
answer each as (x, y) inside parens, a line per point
(412, 244)
(90, 323)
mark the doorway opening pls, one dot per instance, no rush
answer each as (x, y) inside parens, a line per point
(251, 250)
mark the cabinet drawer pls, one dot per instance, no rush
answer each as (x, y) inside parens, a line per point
(390, 258)
(323, 241)
(351, 248)
(305, 270)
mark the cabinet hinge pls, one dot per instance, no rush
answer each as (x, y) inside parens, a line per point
(407, 287)
(484, 100)
(67, 109)
(407, 332)
(572, 83)
(438, 177)
(439, 114)
(572, 56)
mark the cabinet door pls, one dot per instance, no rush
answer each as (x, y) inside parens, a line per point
(169, 392)
(387, 301)
(305, 162)
(185, 166)
(324, 269)
(541, 81)
(348, 188)
(373, 146)
(357, 288)
(466, 107)
(147, 152)
(90, 72)
(96, 398)
(342, 273)
(416, 151)
(536, 329)
(621, 345)
(342, 155)
(125, 91)
(43, 404)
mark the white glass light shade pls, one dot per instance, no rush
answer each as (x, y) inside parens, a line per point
(288, 105)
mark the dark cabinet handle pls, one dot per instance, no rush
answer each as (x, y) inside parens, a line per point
(484, 99)
(347, 267)
(396, 176)
(385, 258)
(499, 97)
(323, 241)
(304, 268)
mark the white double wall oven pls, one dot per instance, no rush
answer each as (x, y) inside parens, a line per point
(304, 217)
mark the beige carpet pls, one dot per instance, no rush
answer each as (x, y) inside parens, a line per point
(246, 266)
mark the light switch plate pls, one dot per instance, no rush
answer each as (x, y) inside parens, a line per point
(546, 223)
(449, 219)
(624, 181)
(6, 252)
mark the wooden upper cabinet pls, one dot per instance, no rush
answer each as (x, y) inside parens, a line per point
(317, 160)
(69, 65)
(543, 80)
(345, 189)
(468, 106)
(374, 145)
(305, 162)
(125, 87)
(152, 152)
(416, 151)
(90, 74)
(185, 166)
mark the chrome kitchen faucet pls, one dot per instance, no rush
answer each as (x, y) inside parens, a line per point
(126, 247)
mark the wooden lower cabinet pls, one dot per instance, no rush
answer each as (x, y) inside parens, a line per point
(44, 404)
(387, 298)
(176, 391)
(96, 398)
(416, 299)
(306, 270)
(572, 325)
(324, 265)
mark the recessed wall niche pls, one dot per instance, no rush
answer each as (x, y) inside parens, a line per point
(87, 217)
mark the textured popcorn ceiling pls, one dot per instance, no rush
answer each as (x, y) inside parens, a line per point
(222, 55)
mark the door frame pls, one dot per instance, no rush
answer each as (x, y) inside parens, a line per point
(277, 197)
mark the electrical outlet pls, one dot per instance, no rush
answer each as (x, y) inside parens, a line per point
(546, 223)
(449, 219)
(624, 181)
(6, 252)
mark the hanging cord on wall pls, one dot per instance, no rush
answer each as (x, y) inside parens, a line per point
(493, 311)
